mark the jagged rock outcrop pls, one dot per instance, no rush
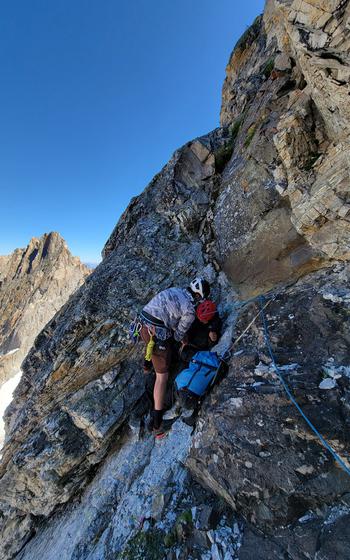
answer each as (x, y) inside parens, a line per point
(34, 283)
(285, 100)
(262, 202)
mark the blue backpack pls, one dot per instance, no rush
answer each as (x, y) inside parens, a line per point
(200, 374)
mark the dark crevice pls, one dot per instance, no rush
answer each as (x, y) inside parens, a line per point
(290, 85)
(317, 120)
(46, 247)
(32, 256)
(19, 267)
(338, 82)
(304, 37)
(331, 56)
(29, 537)
(340, 9)
(303, 83)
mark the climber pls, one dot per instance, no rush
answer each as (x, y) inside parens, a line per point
(204, 332)
(166, 317)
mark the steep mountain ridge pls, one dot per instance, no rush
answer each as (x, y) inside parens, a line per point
(34, 283)
(258, 204)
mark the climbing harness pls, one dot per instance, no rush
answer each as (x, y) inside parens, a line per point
(135, 329)
(291, 397)
(146, 317)
(135, 333)
(159, 329)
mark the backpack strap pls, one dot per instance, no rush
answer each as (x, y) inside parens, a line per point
(204, 364)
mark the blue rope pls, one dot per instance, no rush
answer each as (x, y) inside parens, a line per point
(291, 397)
(240, 304)
(243, 303)
(270, 294)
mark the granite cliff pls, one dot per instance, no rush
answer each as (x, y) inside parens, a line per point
(261, 203)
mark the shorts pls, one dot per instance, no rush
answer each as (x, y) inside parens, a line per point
(161, 355)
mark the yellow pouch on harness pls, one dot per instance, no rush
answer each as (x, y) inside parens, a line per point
(149, 349)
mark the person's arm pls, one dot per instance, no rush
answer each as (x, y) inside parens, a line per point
(184, 324)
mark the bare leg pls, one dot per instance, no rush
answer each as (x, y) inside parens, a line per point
(160, 390)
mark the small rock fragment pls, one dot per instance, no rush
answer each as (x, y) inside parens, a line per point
(328, 384)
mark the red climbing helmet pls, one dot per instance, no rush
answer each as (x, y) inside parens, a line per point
(206, 310)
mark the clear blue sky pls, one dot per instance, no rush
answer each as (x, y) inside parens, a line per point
(94, 98)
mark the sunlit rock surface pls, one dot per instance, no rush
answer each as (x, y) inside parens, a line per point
(285, 100)
(34, 283)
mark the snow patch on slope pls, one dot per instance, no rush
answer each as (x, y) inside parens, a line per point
(6, 392)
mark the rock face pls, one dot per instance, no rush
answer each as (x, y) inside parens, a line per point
(260, 203)
(78, 384)
(34, 283)
(263, 459)
(285, 100)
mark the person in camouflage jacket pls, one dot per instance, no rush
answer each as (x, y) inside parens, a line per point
(168, 316)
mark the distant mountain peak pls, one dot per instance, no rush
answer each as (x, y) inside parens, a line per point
(35, 282)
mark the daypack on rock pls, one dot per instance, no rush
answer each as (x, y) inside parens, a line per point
(198, 377)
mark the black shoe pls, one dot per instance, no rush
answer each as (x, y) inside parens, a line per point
(159, 433)
(155, 420)
(163, 430)
(190, 419)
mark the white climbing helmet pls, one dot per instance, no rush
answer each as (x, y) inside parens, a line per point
(201, 287)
